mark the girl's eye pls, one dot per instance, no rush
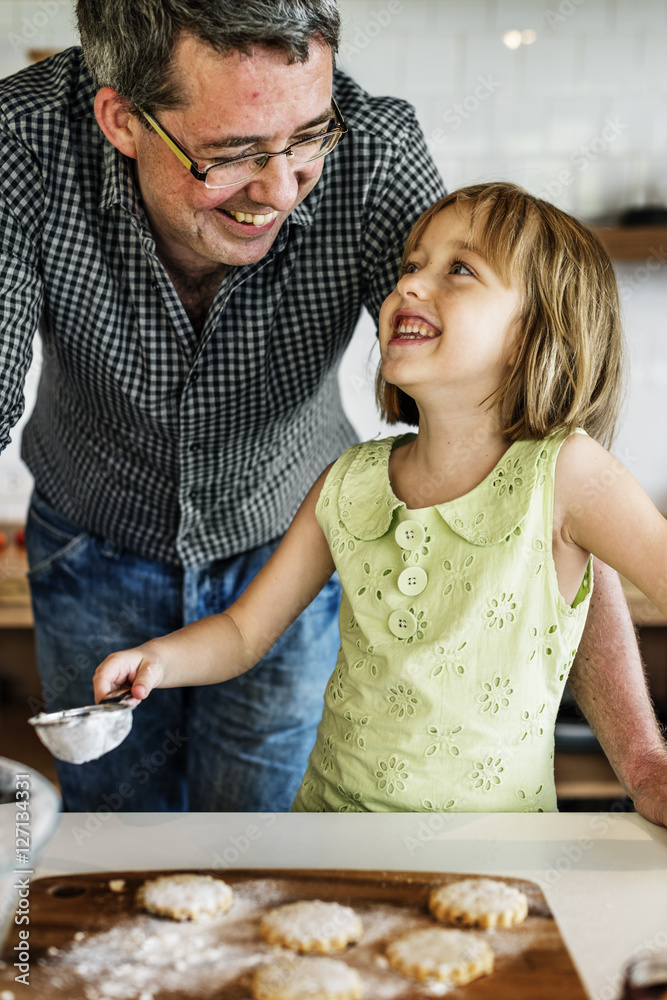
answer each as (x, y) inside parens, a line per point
(458, 267)
(409, 268)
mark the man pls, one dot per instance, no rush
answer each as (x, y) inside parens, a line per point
(198, 261)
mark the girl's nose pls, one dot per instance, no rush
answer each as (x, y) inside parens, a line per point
(413, 284)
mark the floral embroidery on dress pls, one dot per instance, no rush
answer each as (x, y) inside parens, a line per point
(367, 660)
(501, 611)
(449, 659)
(542, 458)
(495, 694)
(341, 539)
(422, 625)
(392, 774)
(457, 577)
(376, 456)
(328, 753)
(530, 799)
(352, 801)
(487, 773)
(443, 743)
(532, 724)
(429, 807)
(568, 666)
(374, 581)
(344, 505)
(403, 700)
(541, 645)
(356, 733)
(337, 684)
(470, 529)
(538, 545)
(331, 488)
(508, 477)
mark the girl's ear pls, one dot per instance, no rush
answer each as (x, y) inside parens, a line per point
(116, 121)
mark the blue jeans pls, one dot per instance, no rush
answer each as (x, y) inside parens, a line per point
(238, 746)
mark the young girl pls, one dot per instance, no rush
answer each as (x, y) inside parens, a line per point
(464, 550)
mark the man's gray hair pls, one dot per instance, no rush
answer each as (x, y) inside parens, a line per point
(128, 44)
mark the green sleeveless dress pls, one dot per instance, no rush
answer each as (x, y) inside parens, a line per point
(455, 641)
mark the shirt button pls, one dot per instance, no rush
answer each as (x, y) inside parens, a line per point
(410, 534)
(195, 446)
(194, 378)
(412, 581)
(402, 624)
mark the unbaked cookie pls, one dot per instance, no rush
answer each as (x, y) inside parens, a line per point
(451, 956)
(478, 902)
(185, 897)
(306, 978)
(311, 925)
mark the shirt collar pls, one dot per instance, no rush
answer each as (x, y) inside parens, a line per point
(486, 515)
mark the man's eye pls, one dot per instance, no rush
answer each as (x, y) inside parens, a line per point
(458, 267)
(224, 161)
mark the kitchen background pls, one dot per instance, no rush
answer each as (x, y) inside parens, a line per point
(566, 97)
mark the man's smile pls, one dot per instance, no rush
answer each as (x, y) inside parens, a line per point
(249, 220)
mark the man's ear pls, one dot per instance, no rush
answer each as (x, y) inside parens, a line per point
(116, 121)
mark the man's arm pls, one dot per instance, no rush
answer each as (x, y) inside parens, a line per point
(607, 680)
(21, 284)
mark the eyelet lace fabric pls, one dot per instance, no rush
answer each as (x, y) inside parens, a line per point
(445, 699)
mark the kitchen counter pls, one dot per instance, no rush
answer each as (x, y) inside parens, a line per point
(603, 874)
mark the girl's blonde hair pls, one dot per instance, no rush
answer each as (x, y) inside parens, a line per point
(569, 370)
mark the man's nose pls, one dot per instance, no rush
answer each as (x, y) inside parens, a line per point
(277, 184)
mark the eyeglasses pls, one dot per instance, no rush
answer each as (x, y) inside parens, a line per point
(236, 169)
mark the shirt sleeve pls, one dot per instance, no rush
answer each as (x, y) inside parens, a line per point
(21, 301)
(407, 183)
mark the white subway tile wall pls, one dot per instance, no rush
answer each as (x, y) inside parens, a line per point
(567, 97)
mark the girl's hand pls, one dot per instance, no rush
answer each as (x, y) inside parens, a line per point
(139, 667)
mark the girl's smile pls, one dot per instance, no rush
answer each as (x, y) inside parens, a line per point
(451, 321)
(411, 326)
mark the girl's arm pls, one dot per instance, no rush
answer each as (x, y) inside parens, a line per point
(222, 646)
(604, 510)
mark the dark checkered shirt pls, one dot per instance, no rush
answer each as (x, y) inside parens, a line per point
(180, 447)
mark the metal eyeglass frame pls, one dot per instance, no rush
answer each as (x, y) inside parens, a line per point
(201, 175)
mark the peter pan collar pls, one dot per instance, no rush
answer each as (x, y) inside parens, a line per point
(488, 514)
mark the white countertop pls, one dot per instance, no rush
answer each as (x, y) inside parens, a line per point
(603, 874)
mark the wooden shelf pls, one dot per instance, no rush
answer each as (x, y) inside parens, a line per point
(634, 242)
(15, 609)
(586, 776)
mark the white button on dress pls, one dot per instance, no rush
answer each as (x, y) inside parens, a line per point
(410, 534)
(402, 624)
(412, 581)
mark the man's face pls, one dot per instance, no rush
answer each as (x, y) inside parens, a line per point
(235, 105)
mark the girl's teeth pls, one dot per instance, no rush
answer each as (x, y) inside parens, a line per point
(255, 220)
(412, 331)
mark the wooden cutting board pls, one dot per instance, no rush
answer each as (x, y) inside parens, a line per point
(128, 955)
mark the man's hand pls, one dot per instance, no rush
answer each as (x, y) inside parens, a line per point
(139, 667)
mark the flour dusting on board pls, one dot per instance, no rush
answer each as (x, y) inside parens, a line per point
(143, 957)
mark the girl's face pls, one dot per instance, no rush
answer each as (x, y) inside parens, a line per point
(450, 322)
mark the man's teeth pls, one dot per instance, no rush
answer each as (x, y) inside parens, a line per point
(411, 331)
(256, 220)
